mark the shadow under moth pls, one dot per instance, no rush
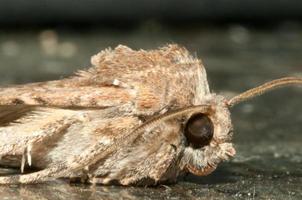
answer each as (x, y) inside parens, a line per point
(133, 118)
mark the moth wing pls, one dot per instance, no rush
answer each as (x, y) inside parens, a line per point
(114, 80)
(54, 94)
(51, 134)
(130, 83)
(113, 153)
(144, 82)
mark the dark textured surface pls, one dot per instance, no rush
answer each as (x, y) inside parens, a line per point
(267, 134)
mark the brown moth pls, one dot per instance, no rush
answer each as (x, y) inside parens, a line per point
(135, 117)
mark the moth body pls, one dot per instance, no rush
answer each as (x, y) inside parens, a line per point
(133, 118)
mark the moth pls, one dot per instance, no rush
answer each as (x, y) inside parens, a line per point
(133, 118)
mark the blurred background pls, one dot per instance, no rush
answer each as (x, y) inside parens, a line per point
(42, 40)
(241, 43)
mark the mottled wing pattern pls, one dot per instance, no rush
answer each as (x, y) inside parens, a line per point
(83, 125)
(145, 81)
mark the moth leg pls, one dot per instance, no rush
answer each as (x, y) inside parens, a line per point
(83, 177)
(59, 170)
(56, 171)
(35, 177)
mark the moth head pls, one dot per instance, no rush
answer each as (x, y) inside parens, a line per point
(207, 129)
(208, 133)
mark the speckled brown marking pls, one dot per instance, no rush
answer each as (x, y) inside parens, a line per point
(17, 101)
(40, 101)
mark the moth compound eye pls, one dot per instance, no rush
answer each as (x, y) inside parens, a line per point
(199, 130)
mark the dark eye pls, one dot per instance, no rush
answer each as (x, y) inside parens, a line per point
(199, 130)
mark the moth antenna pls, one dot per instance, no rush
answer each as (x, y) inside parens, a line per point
(263, 89)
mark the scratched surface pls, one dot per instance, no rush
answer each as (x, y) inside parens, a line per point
(267, 135)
